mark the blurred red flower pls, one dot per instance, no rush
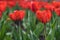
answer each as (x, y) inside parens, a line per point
(56, 4)
(17, 15)
(49, 6)
(29, 5)
(25, 5)
(35, 6)
(43, 16)
(42, 3)
(57, 10)
(22, 4)
(3, 5)
(11, 3)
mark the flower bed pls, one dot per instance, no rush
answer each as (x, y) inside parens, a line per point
(29, 20)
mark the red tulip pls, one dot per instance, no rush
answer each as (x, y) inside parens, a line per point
(25, 5)
(35, 6)
(57, 10)
(11, 3)
(43, 16)
(17, 15)
(42, 3)
(29, 5)
(49, 7)
(22, 4)
(56, 4)
(3, 5)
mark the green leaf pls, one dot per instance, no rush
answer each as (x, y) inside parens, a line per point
(39, 29)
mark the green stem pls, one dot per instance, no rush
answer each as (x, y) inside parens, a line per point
(20, 31)
(45, 31)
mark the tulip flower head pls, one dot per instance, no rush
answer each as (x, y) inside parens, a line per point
(56, 4)
(44, 16)
(35, 6)
(11, 4)
(17, 15)
(3, 5)
(57, 10)
(49, 7)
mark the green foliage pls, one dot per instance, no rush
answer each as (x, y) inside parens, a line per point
(32, 30)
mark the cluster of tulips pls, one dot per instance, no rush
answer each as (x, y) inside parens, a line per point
(43, 12)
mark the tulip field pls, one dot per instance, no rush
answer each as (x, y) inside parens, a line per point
(29, 20)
